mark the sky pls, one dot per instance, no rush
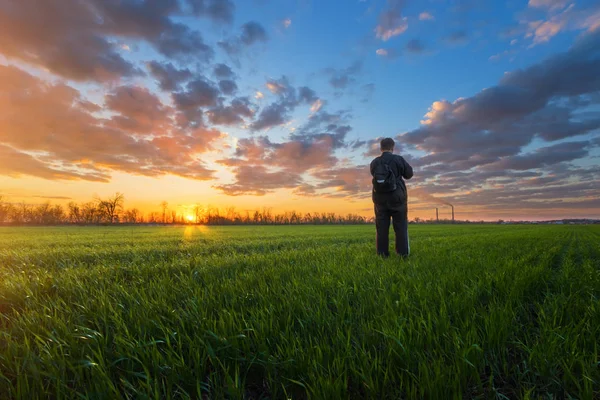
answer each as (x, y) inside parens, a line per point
(282, 103)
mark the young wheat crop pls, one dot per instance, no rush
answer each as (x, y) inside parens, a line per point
(299, 312)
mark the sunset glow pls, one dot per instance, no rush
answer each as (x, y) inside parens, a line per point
(281, 105)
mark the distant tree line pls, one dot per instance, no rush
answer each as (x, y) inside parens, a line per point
(112, 211)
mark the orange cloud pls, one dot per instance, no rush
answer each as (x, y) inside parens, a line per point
(425, 16)
(54, 122)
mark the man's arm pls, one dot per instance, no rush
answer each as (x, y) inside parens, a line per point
(407, 170)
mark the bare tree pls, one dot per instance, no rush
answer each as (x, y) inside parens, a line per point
(90, 213)
(26, 213)
(267, 215)
(108, 211)
(197, 213)
(154, 217)
(4, 210)
(246, 219)
(131, 216)
(257, 217)
(75, 214)
(164, 205)
(47, 214)
(232, 215)
(111, 206)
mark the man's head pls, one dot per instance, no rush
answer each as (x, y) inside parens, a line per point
(387, 144)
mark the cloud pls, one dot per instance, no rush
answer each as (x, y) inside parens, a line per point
(415, 46)
(390, 22)
(352, 181)
(478, 143)
(278, 86)
(543, 31)
(223, 71)
(389, 54)
(343, 78)
(560, 186)
(66, 140)
(373, 148)
(231, 47)
(497, 57)
(52, 197)
(16, 164)
(218, 10)
(566, 188)
(316, 106)
(549, 4)
(558, 20)
(139, 111)
(199, 93)
(178, 41)
(261, 166)
(273, 115)
(235, 113)
(169, 77)
(258, 181)
(425, 16)
(278, 112)
(293, 162)
(387, 34)
(552, 77)
(544, 156)
(303, 155)
(74, 40)
(457, 37)
(306, 95)
(228, 86)
(286, 23)
(323, 124)
(305, 189)
(512, 30)
(251, 33)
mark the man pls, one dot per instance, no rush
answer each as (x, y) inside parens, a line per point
(390, 198)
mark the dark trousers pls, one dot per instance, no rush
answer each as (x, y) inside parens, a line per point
(398, 212)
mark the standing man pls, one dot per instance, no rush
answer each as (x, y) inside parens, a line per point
(391, 198)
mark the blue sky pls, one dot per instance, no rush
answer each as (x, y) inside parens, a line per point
(494, 103)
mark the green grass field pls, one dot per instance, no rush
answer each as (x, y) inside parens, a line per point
(299, 312)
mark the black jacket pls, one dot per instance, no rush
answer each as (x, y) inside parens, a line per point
(401, 169)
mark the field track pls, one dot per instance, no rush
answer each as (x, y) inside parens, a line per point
(299, 312)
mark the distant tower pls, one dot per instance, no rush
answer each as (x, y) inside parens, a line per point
(437, 215)
(452, 212)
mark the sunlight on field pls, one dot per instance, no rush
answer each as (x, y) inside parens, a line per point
(191, 231)
(299, 312)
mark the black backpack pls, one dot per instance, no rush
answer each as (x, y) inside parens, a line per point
(384, 179)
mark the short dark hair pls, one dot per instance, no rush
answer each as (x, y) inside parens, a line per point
(387, 144)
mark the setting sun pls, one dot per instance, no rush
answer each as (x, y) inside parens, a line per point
(189, 218)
